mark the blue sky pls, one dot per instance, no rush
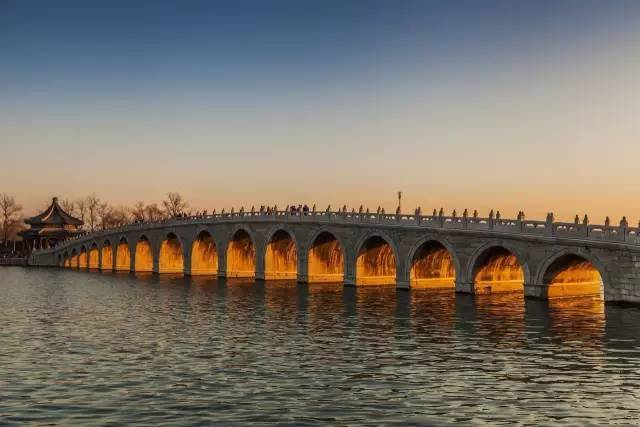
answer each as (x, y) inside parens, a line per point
(507, 105)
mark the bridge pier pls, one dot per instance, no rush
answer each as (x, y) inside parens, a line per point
(464, 288)
(538, 291)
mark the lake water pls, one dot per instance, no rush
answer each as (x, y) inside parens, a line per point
(101, 348)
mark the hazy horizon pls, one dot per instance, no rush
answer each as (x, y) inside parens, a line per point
(481, 105)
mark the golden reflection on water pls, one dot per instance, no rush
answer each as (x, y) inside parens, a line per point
(241, 256)
(376, 263)
(144, 257)
(171, 259)
(578, 319)
(204, 257)
(433, 308)
(281, 257)
(500, 318)
(326, 262)
(325, 305)
(499, 272)
(433, 268)
(107, 257)
(123, 257)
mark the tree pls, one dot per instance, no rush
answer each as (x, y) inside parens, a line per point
(153, 213)
(68, 206)
(9, 211)
(81, 206)
(174, 205)
(92, 206)
(137, 211)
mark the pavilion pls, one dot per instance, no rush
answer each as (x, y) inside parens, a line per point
(50, 227)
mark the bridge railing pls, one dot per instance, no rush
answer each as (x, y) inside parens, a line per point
(607, 233)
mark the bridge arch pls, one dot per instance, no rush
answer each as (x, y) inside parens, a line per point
(106, 255)
(281, 254)
(93, 257)
(241, 253)
(326, 257)
(74, 261)
(572, 272)
(123, 255)
(498, 266)
(433, 263)
(204, 253)
(376, 260)
(66, 260)
(170, 255)
(143, 255)
(83, 258)
(60, 262)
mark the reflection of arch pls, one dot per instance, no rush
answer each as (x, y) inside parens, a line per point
(204, 255)
(82, 258)
(170, 259)
(281, 256)
(123, 256)
(497, 269)
(241, 255)
(106, 262)
(572, 272)
(143, 255)
(376, 261)
(326, 258)
(93, 257)
(432, 264)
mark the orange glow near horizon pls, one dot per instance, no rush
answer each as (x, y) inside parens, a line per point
(107, 258)
(241, 256)
(144, 257)
(281, 257)
(171, 259)
(123, 257)
(499, 271)
(433, 267)
(572, 275)
(74, 261)
(376, 263)
(204, 256)
(326, 262)
(93, 260)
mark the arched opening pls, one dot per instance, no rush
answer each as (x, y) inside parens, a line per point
(107, 257)
(376, 263)
(144, 256)
(74, 262)
(204, 255)
(60, 262)
(432, 267)
(241, 256)
(171, 259)
(281, 257)
(93, 259)
(572, 275)
(123, 256)
(82, 258)
(67, 261)
(326, 260)
(498, 270)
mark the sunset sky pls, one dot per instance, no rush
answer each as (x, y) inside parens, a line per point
(460, 104)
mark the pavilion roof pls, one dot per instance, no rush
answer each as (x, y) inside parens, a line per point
(53, 215)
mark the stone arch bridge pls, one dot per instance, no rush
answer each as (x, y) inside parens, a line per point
(473, 255)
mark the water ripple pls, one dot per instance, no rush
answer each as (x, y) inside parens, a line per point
(114, 349)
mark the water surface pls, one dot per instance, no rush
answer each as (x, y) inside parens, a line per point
(105, 348)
